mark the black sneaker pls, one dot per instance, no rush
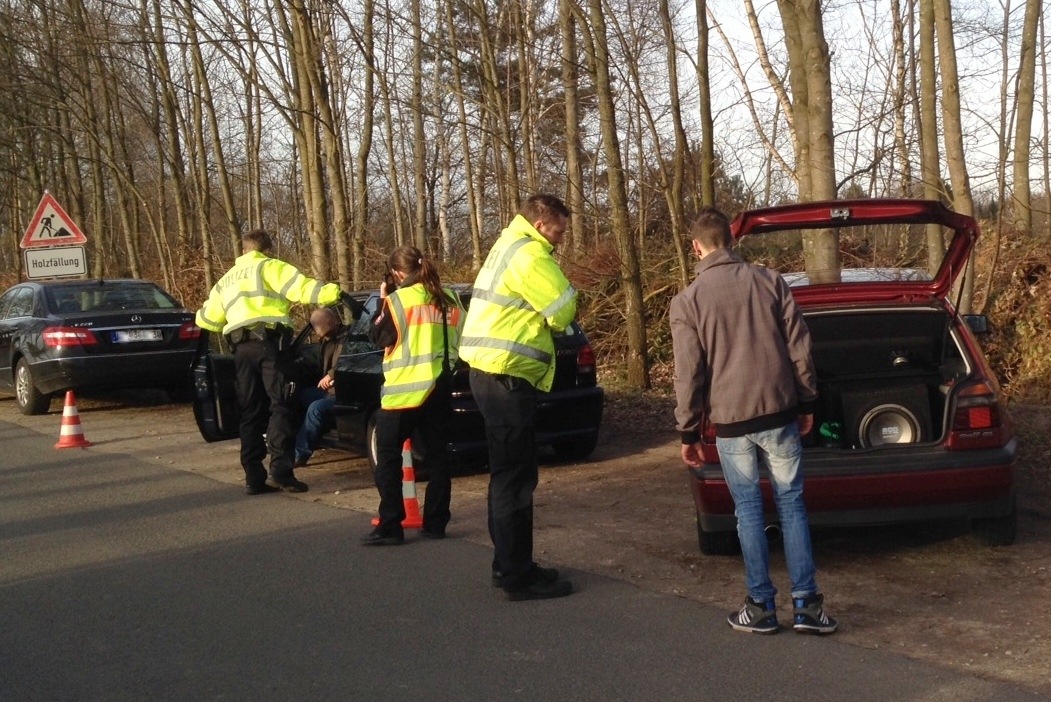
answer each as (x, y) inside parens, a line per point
(301, 461)
(261, 489)
(295, 486)
(808, 616)
(756, 617)
(548, 575)
(540, 590)
(378, 538)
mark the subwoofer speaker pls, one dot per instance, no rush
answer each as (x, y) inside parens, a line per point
(886, 415)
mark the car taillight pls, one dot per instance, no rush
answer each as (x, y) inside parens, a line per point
(55, 337)
(585, 359)
(976, 418)
(189, 331)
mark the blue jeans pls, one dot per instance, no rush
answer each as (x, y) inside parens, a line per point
(316, 422)
(780, 450)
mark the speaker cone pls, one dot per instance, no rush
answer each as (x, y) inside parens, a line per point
(889, 424)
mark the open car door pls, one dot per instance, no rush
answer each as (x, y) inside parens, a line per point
(215, 393)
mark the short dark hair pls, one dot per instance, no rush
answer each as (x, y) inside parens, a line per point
(257, 240)
(542, 207)
(712, 229)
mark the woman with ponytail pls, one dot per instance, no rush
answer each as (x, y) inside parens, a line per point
(419, 327)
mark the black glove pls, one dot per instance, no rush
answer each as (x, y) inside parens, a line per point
(355, 307)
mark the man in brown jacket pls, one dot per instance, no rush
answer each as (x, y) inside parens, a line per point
(320, 401)
(742, 357)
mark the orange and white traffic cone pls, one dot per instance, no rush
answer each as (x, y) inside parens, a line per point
(72, 434)
(413, 518)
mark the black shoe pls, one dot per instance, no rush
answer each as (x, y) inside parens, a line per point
(261, 489)
(300, 461)
(540, 590)
(295, 486)
(428, 534)
(547, 575)
(376, 538)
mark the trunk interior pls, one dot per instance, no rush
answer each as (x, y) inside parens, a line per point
(884, 376)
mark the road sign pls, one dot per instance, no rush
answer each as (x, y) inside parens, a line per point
(51, 226)
(55, 262)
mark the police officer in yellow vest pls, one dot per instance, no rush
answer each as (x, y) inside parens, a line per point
(419, 327)
(249, 305)
(520, 297)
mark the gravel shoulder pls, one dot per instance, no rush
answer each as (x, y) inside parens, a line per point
(929, 591)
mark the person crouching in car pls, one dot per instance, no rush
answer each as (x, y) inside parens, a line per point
(419, 326)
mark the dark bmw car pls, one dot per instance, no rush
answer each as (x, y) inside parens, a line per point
(93, 334)
(568, 417)
(909, 422)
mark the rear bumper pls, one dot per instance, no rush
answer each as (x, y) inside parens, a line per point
(156, 369)
(880, 487)
(561, 416)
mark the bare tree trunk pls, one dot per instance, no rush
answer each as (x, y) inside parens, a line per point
(927, 118)
(900, 91)
(705, 103)
(954, 152)
(809, 73)
(419, 145)
(1022, 209)
(368, 107)
(637, 365)
(567, 20)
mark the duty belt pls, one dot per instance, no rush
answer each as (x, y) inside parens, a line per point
(258, 332)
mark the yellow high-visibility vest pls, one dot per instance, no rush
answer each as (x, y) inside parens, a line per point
(259, 290)
(520, 296)
(412, 365)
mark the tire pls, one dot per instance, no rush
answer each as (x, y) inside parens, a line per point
(370, 441)
(576, 449)
(998, 531)
(30, 400)
(717, 543)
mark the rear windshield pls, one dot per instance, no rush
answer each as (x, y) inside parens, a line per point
(870, 253)
(109, 297)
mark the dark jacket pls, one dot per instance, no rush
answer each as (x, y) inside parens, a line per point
(742, 350)
(331, 348)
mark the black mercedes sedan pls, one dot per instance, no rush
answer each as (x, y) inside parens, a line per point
(93, 334)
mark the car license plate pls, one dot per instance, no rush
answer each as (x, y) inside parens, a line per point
(132, 335)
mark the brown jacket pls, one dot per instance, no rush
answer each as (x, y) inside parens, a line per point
(331, 348)
(742, 350)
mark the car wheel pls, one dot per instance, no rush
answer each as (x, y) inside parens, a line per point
(576, 449)
(717, 543)
(998, 531)
(30, 400)
(370, 441)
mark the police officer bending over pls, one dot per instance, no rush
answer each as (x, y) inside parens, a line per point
(249, 305)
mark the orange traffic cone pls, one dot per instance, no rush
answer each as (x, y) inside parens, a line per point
(413, 518)
(72, 434)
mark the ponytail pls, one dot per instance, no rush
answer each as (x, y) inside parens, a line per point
(417, 269)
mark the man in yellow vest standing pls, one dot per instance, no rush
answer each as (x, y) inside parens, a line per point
(520, 297)
(249, 305)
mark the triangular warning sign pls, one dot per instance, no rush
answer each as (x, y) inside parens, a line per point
(51, 226)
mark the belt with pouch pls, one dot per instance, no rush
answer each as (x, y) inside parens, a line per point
(259, 332)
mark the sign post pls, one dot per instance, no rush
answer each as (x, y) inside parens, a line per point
(53, 243)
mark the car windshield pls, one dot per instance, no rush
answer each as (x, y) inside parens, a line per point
(94, 296)
(870, 253)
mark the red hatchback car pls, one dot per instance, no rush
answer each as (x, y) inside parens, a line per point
(909, 424)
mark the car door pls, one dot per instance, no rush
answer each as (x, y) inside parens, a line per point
(215, 405)
(7, 331)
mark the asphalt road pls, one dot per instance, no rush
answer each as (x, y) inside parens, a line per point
(122, 580)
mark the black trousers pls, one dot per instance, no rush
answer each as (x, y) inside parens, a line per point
(508, 405)
(263, 396)
(393, 427)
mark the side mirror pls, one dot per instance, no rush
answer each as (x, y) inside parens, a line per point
(978, 323)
